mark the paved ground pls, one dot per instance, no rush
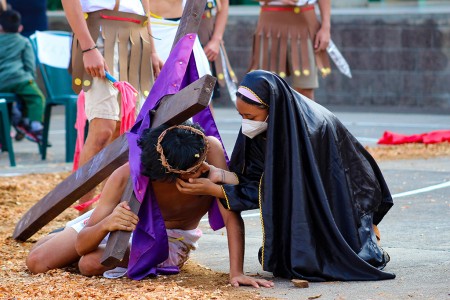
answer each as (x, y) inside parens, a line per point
(416, 232)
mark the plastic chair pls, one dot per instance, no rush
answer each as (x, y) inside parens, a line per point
(5, 132)
(58, 84)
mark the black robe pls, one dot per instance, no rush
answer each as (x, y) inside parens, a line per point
(318, 190)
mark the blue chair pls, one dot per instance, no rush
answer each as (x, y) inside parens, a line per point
(58, 84)
(5, 132)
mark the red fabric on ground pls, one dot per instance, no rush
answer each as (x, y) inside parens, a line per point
(82, 206)
(438, 136)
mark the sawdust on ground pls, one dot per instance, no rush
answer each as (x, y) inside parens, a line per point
(19, 193)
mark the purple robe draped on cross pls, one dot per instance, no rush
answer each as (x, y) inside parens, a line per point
(150, 243)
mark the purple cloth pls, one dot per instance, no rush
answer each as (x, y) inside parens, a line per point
(150, 242)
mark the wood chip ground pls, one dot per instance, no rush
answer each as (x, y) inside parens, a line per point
(18, 194)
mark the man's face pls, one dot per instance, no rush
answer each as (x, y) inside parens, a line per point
(201, 171)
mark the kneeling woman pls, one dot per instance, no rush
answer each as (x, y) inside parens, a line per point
(319, 192)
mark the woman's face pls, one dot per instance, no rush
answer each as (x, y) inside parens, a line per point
(251, 112)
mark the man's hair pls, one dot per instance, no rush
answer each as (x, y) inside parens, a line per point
(10, 21)
(182, 149)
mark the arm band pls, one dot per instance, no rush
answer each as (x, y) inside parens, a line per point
(87, 50)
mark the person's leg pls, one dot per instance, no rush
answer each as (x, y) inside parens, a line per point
(102, 110)
(309, 93)
(43, 256)
(34, 100)
(308, 79)
(101, 133)
(90, 265)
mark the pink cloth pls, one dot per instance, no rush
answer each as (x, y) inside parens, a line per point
(80, 124)
(247, 93)
(128, 96)
(438, 136)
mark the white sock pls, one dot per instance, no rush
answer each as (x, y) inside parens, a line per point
(36, 126)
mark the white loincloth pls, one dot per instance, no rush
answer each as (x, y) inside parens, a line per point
(181, 242)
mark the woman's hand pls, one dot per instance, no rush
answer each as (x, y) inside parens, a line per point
(196, 186)
(122, 218)
(199, 186)
(247, 280)
(215, 174)
(94, 63)
(212, 49)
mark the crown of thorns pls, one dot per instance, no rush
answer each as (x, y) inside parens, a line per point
(202, 156)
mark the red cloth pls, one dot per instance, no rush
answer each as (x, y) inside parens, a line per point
(438, 136)
(82, 206)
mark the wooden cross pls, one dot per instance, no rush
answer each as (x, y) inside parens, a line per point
(173, 109)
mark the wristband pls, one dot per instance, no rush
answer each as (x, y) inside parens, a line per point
(87, 50)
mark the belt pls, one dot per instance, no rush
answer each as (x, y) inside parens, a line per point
(295, 9)
(115, 18)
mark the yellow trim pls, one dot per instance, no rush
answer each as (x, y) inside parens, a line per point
(162, 23)
(236, 176)
(226, 198)
(262, 221)
(257, 97)
(155, 16)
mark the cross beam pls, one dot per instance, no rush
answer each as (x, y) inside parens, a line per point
(173, 110)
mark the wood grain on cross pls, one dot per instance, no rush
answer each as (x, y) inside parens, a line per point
(173, 109)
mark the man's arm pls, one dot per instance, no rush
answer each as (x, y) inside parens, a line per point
(94, 63)
(109, 215)
(322, 38)
(157, 63)
(212, 47)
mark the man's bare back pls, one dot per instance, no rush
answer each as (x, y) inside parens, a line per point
(180, 211)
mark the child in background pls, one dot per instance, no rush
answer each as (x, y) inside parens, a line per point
(17, 73)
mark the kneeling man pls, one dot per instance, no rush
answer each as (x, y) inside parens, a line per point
(168, 153)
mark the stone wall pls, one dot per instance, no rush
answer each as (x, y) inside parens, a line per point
(398, 59)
